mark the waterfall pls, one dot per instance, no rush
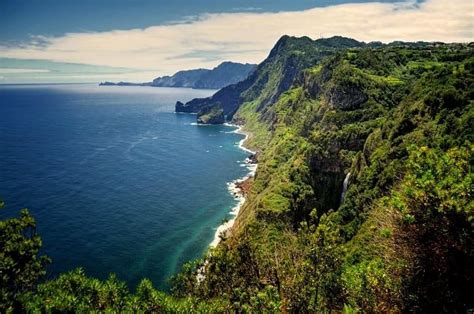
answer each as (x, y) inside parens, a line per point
(344, 186)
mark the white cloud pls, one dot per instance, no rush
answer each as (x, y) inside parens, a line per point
(207, 40)
(17, 71)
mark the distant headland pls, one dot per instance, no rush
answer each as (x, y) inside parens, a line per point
(224, 74)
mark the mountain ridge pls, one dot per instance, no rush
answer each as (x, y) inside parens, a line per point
(362, 201)
(224, 74)
(301, 52)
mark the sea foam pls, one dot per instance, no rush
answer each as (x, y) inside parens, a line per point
(234, 190)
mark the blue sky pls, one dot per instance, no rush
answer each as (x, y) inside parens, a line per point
(91, 41)
(21, 18)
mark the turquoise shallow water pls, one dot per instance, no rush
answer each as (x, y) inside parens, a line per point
(116, 181)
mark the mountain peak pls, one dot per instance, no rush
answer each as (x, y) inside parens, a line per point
(222, 75)
(339, 42)
(287, 41)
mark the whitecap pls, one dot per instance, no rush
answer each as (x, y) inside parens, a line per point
(234, 190)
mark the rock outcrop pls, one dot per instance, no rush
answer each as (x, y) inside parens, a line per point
(347, 97)
(211, 115)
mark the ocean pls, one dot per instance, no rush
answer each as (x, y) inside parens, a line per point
(117, 182)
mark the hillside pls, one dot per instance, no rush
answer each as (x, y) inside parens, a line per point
(224, 74)
(362, 201)
(276, 74)
(395, 123)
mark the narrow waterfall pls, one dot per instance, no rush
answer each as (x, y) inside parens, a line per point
(344, 186)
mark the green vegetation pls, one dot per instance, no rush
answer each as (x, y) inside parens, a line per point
(274, 76)
(400, 120)
(211, 115)
(22, 290)
(20, 265)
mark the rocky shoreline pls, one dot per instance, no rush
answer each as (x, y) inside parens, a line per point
(244, 186)
(238, 188)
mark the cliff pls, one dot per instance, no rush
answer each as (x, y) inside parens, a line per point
(186, 78)
(274, 75)
(398, 118)
(280, 70)
(224, 74)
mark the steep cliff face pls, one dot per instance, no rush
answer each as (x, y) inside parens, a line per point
(283, 68)
(187, 78)
(226, 98)
(399, 119)
(224, 74)
(211, 115)
(274, 75)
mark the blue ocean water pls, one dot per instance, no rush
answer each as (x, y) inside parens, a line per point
(115, 179)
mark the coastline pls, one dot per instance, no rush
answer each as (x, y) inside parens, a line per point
(234, 188)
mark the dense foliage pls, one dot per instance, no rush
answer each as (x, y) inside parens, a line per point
(22, 289)
(395, 122)
(271, 78)
(20, 265)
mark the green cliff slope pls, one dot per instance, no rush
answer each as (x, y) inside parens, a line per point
(400, 121)
(273, 76)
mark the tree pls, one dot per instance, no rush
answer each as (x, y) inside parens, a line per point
(20, 264)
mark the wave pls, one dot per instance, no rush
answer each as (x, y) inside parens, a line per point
(199, 124)
(239, 130)
(191, 113)
(234, 190)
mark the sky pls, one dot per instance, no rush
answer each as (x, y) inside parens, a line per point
(59, 41)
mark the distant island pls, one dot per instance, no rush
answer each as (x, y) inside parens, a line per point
(224, 74)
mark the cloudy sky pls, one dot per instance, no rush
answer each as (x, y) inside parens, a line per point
(92, 41)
